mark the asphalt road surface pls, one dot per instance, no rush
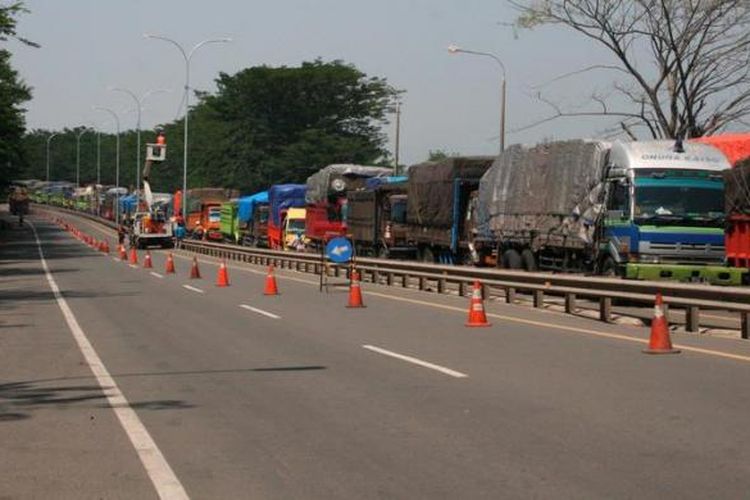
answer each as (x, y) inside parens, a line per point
(122, 382)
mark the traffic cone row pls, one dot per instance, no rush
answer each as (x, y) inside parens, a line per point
(147, 261)
(659, 342)
(271, 286)
(195, 273)
(477, 316)
(222, 278)
(355, 291)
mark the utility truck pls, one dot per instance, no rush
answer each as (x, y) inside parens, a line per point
(151, 225)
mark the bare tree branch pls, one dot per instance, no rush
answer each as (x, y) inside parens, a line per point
(698, 79)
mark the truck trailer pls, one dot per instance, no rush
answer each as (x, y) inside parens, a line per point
(376, 218)
(439, 208)
(642, 210)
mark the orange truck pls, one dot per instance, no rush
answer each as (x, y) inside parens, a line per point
(204, 211)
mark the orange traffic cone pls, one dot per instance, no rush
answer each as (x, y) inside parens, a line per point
(195, 273)
(123, 254)
(271, 287)
(170, 264)
(355, 292)
(477, 316)
(133, 256)
(104, 247)
(147, 261)
(660, 343)
(222, 278)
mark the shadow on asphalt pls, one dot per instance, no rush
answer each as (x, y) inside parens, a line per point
(18, 398)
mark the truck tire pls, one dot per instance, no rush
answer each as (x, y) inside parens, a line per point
(609, 267)
(512, 259)
(428, 256)
(528, 260)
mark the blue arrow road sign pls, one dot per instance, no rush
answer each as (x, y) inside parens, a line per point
(339, 250)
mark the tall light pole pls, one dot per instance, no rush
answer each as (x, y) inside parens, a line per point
(139, 109)
(49, 139)
(398, 136)
(78, 155)
(454, 49)
(187, 56)
(98, 157)
(117, 162)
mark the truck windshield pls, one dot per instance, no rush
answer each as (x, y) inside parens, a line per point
(296, 225)
(664, 201)
(214, 214)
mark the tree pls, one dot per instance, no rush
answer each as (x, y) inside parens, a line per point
(270, 125)
(13, 93)
(685, 63)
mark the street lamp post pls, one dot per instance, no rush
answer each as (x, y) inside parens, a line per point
(117, 162)
(98, 157)
(139, 107)
(187, 56)
(78, 156)
(454, 49)
(49, 139)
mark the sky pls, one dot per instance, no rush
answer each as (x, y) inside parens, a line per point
(451, 102)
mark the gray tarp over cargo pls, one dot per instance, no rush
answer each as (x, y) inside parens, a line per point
(430, 188)
(339, 178)
(546, 194)
(737, 188)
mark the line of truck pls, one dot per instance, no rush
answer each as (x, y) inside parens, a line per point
(641, 210)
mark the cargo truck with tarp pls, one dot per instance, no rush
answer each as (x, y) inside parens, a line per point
(439, 206)
(252, 216)
(204, 210)
(326, 199)
(282, 198)
(643, 210)
(376, 218)
(244, 221)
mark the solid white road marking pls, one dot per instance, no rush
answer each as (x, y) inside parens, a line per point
(133, 266)
(156, 275)
(193, 289)
(409, 359)
(259, 311)
(161, 474)
(115, 259)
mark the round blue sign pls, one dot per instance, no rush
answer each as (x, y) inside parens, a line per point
(339, 250)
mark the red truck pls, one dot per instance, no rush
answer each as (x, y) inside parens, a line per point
(326, 198)
(736, 147)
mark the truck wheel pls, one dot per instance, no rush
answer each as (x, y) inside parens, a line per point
(528, 261)
(428, 256)
(608, 267)
(512, 260)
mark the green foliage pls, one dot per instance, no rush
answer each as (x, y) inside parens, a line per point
(263, 126)
(440, 154)
(13, 93)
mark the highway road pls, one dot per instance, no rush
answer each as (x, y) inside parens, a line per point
(120, 382)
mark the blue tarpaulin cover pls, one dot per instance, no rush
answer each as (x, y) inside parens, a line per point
(246, 205)
(283, 196)
(374, 182)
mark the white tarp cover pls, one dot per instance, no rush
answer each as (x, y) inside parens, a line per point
(321, 184)
(548, 194)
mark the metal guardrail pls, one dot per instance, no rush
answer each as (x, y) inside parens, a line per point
(496, 282)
